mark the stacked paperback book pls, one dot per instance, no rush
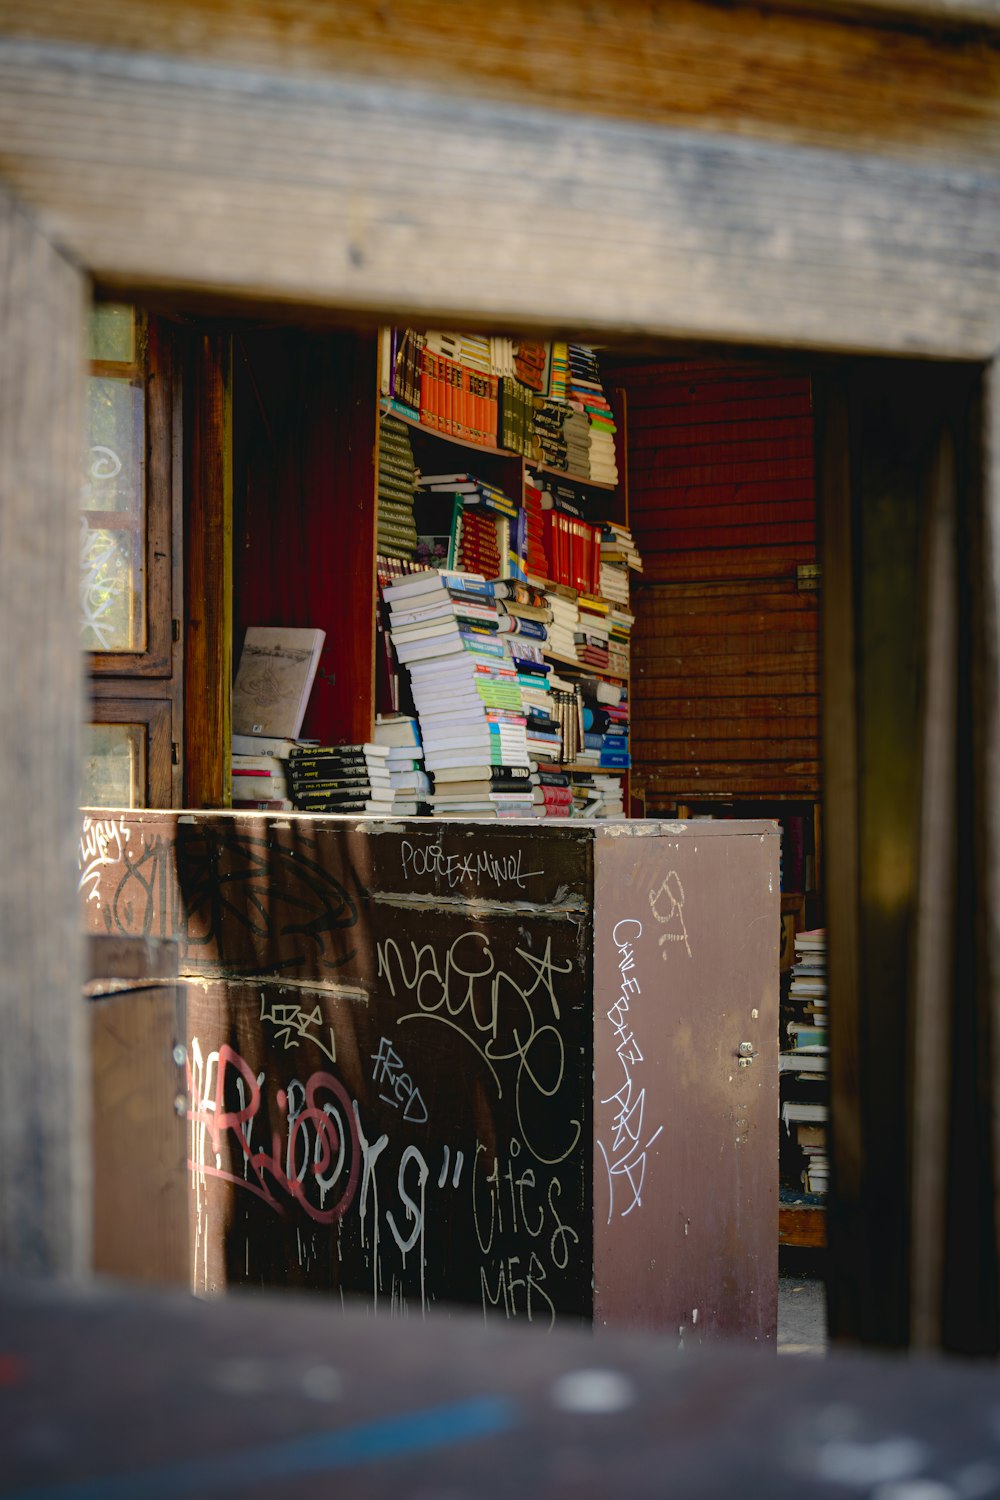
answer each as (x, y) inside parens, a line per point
(408, 781)
(347, 779)
(467, 694)
(803, 1063)
(260, 773)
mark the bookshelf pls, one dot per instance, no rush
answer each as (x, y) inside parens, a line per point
(592, 498)
(308, 415)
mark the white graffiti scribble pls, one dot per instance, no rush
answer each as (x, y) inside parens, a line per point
(102, 843)
(293, 1025)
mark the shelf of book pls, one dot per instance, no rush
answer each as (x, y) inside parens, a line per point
(591, 484)
(399, 413)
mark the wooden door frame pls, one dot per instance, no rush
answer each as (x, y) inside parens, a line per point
(292, 187)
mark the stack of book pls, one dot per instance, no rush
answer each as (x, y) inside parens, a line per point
(548, 442)
(559, 371)
(482, 529)
(614, 582)
(606, 732)
(535, 560)
(260, 772)
(467, 694)
(387, 695)
(564, 624)
(397, 477)
(592, 633)
(457, 400)
(531, 364)
(400, 368)
(515, 416)
(586, 397)
(804, 1061)
(596, 796)
(348, 779)
(618, 546)
(567, 712)
(552, 792)
(620, 622)
(408, 781)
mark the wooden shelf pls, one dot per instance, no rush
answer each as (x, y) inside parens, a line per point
(447, 437)
(596, 770)
(590, 484)
(583, 666)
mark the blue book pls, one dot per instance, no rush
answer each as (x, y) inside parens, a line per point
(615, 761)
(617, 743)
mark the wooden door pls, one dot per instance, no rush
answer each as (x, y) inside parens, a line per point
(686, 935)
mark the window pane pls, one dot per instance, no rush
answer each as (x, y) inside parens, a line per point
(114, 765)
(112, 541)
(112, 332)
(113, 472)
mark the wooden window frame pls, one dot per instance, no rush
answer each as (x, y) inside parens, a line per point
(154, 715)
(157, 372)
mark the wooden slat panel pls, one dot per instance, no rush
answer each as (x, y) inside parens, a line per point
(159, 173)
(823, 78)
(707, 644)
(665, 569)
(208, 656)
(44, 1087)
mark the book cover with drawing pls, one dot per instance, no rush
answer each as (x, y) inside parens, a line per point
(275, 677)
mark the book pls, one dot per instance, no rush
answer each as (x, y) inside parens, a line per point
(397, 731)
(263, 744)
(274, 679)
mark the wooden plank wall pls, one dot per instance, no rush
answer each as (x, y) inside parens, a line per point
(725, 677)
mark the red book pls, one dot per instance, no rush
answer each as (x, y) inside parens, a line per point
(492, 409)
(428, 389)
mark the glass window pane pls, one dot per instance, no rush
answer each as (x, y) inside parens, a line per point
(113, 533)
(114, 765)
(111, 335)
(113, 472)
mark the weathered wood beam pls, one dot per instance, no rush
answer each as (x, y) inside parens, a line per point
(162, 173)
(918, 77)
(44, 1075)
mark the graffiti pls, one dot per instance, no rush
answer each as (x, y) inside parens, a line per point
(671, 897)
(625, 1158)
(388, 1074)
(102, 584)
(462, 988)
(470, 867)
(317, 1158)
(250, 904)
(102, 845)
(293, 1025)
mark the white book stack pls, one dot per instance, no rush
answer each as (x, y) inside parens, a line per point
(408, 781)
(466, 693)
(602, 463)
(564, 625)
(614, 583)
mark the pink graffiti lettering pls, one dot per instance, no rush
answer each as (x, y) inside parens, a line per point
(316, 1159)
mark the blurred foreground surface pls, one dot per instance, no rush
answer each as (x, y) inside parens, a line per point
(108, 1395)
